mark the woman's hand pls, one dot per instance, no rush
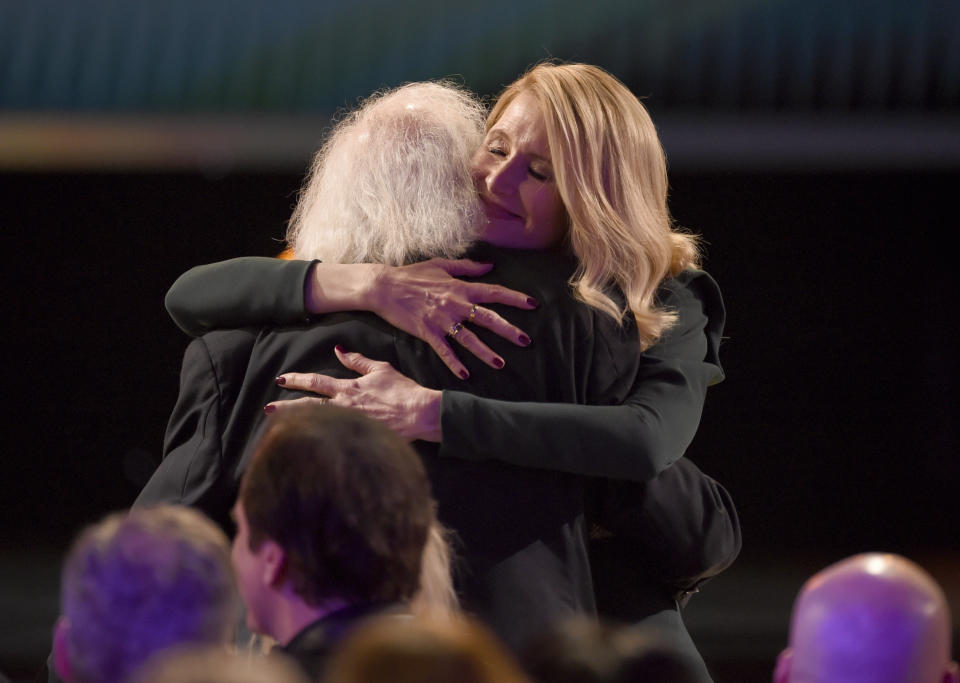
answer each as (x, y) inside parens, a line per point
(381, 392)
(427, 301)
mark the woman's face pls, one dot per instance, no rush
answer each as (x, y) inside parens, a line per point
(514, 176)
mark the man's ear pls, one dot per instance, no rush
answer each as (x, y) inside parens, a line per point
(274, 562)
(781, 674)
(61, 653)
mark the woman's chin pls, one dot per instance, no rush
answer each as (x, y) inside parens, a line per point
(511, 234)
(516, 236)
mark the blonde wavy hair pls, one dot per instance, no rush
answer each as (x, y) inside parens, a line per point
(392, 183)
(611, 174)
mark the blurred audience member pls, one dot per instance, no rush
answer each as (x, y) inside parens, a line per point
(423, 650)
(435, 594)
(137, 584)
(586, 651)
(332, 519)
(217, 665)
(871, 618)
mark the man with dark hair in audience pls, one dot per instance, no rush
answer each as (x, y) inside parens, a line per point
(871, 618)
(138, 584)
(332, 518)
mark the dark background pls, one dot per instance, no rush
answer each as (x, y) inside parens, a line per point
(823, 184)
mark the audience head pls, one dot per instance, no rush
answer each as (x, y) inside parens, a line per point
(392, 183)
(334, 509)
(423, 650)
(217, 665)
(582, 650)
(608, 166)
(875, 618)
(139, 583)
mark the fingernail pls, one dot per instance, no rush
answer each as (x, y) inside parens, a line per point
(281, 380)
(498, 362)
(463, 374)
(532, 302)
(340, 348)
(524, 340)
(269, 409)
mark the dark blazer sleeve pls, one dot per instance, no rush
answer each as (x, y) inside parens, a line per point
(681, 527)
(634, 441)
(192, 470)
(244, 291)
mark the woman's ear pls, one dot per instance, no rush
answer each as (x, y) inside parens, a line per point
(61, 652)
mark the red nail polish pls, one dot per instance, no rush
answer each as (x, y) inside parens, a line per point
(532, 302)
(464, 374)
(524, 340)
(281, 380)
(269, 410)
(498, 362)
(340, 348)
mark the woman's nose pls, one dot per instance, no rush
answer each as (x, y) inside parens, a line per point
(501, 178)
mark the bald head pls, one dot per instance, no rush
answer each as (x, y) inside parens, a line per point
(875, 618)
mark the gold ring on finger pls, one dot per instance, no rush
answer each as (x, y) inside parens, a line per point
(473, 313)
(455, 329)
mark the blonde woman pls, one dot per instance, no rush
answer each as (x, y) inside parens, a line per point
(570, 164)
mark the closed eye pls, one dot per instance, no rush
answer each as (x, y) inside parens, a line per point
(539, 176)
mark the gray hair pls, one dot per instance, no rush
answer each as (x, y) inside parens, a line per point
(392, 184)
(141, 582)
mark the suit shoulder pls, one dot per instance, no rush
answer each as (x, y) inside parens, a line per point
(690, 284)
(226, 341)
(228, 351)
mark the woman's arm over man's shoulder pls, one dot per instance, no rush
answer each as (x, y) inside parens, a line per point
(251, 290)
(633, 441)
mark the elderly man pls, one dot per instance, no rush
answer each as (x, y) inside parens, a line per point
(332, 519)
(138, 584)
(871, 618)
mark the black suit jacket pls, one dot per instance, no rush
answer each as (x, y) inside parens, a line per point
(519, 512)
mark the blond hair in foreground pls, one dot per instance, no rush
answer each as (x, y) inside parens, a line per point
(218, 665)
(397, 649)
(611, 174)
